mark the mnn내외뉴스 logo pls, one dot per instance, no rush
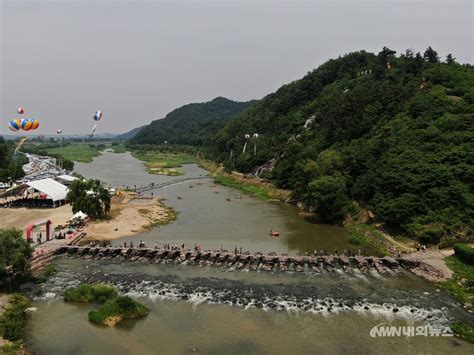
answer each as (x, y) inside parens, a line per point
(385, 330)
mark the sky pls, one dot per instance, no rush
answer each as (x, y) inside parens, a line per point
(137, 60)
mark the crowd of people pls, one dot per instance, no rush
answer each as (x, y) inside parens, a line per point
(27, 202)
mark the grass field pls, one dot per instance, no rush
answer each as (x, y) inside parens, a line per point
(461, 285)
(161, 163)
(247, 188)
(81, 152)
(157, 159)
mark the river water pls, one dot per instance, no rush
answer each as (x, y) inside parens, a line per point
(222, 311)
(205, 216)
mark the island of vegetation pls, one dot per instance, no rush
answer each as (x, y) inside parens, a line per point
(113, 308)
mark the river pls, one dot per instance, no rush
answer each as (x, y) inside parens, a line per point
(205, 215)
(215, 311)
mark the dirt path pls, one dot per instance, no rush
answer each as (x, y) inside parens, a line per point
(435, 259)
(20, 217)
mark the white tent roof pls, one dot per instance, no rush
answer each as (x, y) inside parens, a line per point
(67, 178)
(50, 187)
(79, 215)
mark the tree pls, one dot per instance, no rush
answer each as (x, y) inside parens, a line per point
(90, 197)
(431, 56)
(450, 59)
(327, 196)
(15, 254)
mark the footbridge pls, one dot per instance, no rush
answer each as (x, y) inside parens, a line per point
(154, 186)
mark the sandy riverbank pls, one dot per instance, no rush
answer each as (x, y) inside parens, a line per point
(129, 216)
(20, 217)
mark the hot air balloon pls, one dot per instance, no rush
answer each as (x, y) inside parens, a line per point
(26, 124)
(59, 131)
(97, 115)
(255, 135)
(247, 136)
(34, 123)
(20, 110)
(14, 125)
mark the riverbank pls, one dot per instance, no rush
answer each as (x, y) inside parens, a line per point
(130, 215)
(13, 320)
(253, 186)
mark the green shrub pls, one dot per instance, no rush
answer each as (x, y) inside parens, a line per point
(463, 331)
(122, 307)
(87, 293)
(355, 239)
(13, 321)
(464, 252)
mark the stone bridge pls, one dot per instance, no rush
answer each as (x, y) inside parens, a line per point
(256, 261)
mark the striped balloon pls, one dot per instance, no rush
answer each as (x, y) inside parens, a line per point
(26, 125)
(35, 123)
(14, 125)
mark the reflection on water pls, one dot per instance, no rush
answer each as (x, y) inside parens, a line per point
(205, 215)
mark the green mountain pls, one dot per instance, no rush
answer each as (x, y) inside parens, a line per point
(192, 124)
(393, 133)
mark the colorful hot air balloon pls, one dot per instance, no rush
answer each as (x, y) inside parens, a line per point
(14, 125)
(97, 115)
(20, 110)
(34, 123)
(26, 124)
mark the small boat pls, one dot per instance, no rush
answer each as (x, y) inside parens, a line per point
(274, 234)
(227, 199)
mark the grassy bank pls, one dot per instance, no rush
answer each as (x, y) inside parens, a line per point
(171, 215)
(252, 186)
(113, 308)
(461, 285)
(250, 189)
(13, 324)
(463, 331)
(76, 151)
(365, 235)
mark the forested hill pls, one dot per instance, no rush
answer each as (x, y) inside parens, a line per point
(394, 133)
(193, 124)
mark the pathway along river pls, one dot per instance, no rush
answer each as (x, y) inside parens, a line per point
(221, 311)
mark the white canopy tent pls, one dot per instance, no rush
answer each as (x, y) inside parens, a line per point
(79, 215)
(53, 189)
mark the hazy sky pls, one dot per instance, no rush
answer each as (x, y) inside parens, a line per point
(137, 60)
